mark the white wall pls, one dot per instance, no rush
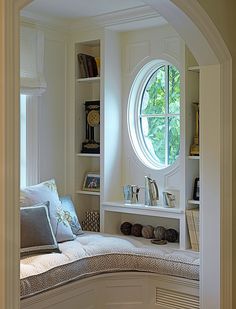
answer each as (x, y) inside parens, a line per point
(140, 47)
(112, 117)
(52, 112)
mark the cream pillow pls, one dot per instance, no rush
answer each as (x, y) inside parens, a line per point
(47, 191)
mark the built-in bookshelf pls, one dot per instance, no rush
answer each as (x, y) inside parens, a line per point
(87, 132)
(108, 161)
(192, 158)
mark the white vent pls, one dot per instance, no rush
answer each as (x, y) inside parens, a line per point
(176, 300)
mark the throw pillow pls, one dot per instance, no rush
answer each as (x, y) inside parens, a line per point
(70, 213)
(36, 231)
(47, 191)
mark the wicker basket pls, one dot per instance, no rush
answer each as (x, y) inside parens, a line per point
(91, 221)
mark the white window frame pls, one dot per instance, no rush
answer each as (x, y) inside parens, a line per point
(133, 116)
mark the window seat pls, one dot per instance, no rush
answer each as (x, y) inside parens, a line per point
(92, 254)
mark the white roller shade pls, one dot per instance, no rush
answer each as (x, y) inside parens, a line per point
(32, 61)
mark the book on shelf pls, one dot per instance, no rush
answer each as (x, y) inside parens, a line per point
(87, 66)
(192, 216)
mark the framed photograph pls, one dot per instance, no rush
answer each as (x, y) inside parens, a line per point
(196, 189)
(91, 182)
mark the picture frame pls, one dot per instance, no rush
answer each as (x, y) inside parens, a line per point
(91, 182)
(196, 189)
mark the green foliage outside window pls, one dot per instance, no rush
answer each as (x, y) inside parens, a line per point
(160, 114)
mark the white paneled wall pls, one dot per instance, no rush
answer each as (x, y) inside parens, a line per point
(52, 112)
(140, 47)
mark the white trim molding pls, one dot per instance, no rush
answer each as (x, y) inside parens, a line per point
(195, 23)
(208, 48)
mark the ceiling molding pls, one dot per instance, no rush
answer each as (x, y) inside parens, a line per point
(127, 15)
(45, 21)
(124, 17)
(123, 20)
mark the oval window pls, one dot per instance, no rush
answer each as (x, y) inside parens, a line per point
(157, 110)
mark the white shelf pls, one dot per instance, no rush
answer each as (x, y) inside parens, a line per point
(141, 209)
(144, 242)
(194, 69)
(194, 157)
(88, 192)
(194, 202)
(94, 155)
(88, 79)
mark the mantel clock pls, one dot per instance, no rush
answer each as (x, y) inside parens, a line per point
(92, 127)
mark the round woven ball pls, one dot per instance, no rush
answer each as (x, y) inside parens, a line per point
(171, 235)
(159, 233)
(147, 231)
(136, 230)
(125, 228)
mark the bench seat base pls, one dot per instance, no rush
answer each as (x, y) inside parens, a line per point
(126, 290)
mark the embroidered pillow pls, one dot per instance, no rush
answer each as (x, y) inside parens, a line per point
(47, 191)
(36, 231)
(70, 213)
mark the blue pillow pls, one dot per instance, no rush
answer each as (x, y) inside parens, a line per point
(37, 236)
(70, 214)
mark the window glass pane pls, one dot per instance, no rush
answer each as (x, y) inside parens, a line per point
(154, 135)
(157, 139)
(174, 138)
(153, 99)
(174, 90)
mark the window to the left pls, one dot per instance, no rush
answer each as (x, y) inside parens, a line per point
(23, 130)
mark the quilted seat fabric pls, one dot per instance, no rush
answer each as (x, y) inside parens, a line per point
(95, 253)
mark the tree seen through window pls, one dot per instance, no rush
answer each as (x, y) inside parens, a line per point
(160, 115)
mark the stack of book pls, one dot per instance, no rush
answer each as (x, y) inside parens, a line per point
(193, 227)
(88, 66)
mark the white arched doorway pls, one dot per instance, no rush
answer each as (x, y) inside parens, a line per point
(201, 36)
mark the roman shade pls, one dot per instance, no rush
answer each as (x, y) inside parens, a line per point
(32, 81)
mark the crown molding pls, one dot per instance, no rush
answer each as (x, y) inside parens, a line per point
(123, 20)
(127, 15)
(44, 21)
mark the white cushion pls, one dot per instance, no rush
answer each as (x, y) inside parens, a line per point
(47, 191)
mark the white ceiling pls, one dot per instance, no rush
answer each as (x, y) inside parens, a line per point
(71, 9)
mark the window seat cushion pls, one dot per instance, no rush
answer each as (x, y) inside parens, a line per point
(96, 253)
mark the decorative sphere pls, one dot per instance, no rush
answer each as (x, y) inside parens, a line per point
(171, 235)
(125, 228)
(159, 233)
(147, 231)
(136, 230)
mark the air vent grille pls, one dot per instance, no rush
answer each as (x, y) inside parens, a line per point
(176, 300)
